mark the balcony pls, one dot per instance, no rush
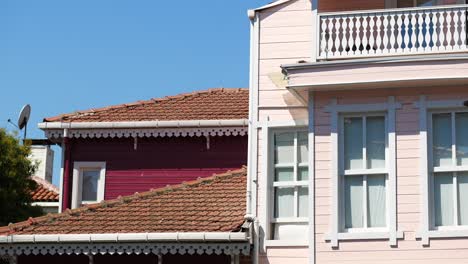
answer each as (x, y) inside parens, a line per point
(393, 32)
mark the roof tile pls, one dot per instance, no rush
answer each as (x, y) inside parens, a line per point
(45, 191)
(213, 104)
(166, 209)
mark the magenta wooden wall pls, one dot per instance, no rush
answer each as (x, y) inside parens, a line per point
(121, 259)
(158, 162)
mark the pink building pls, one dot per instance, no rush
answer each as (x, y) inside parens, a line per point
(358, 140)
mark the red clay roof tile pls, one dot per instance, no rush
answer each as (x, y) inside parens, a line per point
(189, 207)
(213, 104)
(45, 192)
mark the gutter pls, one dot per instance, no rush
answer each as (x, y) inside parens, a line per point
(128, 237)
(144, 124)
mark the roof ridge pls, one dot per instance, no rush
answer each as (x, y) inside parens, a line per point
(143, 102)
(12, 227)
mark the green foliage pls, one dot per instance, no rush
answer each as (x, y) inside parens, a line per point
(16, 184)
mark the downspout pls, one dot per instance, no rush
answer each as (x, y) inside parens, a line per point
(66, 171)
(62, 170)
(314, 57)
(252, 177)
(311, 161)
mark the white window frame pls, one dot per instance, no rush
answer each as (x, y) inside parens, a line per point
(78, 168)
(449, 169)
(265, 181)
(390, 233)
(426, 108)
(291, 184)
(362, 172)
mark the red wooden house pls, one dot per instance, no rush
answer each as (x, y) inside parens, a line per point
(165, 149)
(128, 148)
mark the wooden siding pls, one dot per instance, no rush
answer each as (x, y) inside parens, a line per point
(284, 39)
(409, 204)
(121, 259)
(158, 162)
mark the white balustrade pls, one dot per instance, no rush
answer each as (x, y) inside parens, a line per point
(393, 32)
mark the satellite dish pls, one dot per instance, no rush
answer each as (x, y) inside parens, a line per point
(23, 118)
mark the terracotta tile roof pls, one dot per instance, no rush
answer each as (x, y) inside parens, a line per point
(45, 191)
(213, 104)
(214, 204)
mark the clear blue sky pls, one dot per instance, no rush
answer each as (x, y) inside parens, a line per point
(61, 56)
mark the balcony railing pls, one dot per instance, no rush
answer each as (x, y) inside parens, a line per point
(393, 32)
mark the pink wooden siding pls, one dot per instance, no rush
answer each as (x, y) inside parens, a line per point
(408, 250)
(285, 38)
(158, 162)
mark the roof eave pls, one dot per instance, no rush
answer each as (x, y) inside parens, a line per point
(128, 237)
(143, 124)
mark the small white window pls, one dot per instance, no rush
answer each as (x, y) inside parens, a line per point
(449, 159)
(364, 173)
(290, 179)
(88, 183)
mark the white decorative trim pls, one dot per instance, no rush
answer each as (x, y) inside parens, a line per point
(460, 233)
(441, 104)
(126, 248)
(424, 170)
(362, 108)
(368, 236)
(148, 132)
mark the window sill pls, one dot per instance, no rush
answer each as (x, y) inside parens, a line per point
(372, 235)
(286, 243)
(453, 233)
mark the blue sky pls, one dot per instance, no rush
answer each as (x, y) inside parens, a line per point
(61, 56)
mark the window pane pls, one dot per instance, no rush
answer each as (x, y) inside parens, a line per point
(284, 148)
(303, 144)
(303, 174)
(284, 202)
(353, 143)
(354, 214)
(463, 198)
(284, 174)
(443, 199)
(376, 201)
(90, 185)
(375, 142)
(442, 139)
(303, 202)
(462, 138)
